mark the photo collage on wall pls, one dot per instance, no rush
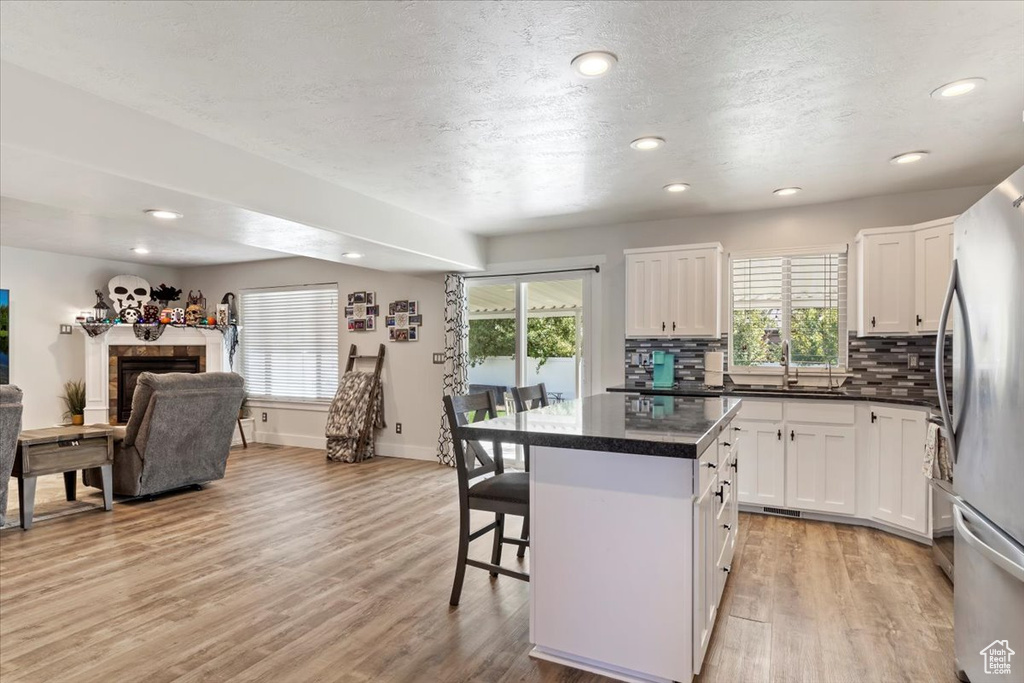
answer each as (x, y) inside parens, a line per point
(362, 312)
(403, 321)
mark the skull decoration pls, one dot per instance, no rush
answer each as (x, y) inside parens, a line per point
(128, 292)
(195, 312)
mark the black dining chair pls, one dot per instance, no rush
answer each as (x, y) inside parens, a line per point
(528, 398)
(503, 493)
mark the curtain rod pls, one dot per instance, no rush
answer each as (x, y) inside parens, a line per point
(596, 269)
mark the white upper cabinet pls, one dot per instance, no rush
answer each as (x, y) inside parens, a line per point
(933, 259)
(902, 276)
(647, 294)
(674, 291)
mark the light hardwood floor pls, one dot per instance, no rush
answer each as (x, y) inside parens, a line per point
(296, 569)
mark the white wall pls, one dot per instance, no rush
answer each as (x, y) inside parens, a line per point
(558, 374)
(819, 224)
(412, 383)
(47, 290)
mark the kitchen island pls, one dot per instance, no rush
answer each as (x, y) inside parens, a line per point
(633, 523)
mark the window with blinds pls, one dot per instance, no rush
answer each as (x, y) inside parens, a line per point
(801, 298)
(290, 343)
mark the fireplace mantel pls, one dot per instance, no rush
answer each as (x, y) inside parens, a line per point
(97, 360)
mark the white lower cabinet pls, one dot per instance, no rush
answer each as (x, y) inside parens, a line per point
(803, 455)
(762, 461)
(821, 470)
(898, 491)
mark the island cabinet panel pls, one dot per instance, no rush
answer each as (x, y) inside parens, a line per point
(612, 559)
(821, 468)
(898, 491)
(762, 461)
(705, 589)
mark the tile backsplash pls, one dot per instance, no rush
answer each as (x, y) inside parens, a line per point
(878, 365)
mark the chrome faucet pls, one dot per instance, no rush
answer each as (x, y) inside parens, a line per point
(787, 381)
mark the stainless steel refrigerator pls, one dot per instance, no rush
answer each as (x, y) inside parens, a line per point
(986, 433)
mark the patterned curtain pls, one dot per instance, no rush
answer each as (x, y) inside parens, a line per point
(456, 341)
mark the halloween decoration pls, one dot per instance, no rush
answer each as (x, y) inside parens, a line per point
(228, 301)
(177, 316)
(128, 292)
(403, 321)
(148, 332)
(195, 310)
(101, 311)
(150, 313)
(165, 294)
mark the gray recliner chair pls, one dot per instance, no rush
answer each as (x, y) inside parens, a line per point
(179, 433)
(10, 427)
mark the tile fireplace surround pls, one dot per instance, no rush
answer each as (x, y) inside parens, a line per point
(208, 345)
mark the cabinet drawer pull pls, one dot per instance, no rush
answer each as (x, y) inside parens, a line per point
(710, 465)
(726, 444)
(726, 569)
(726, 527)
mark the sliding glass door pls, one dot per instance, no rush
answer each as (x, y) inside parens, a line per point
(528, 330)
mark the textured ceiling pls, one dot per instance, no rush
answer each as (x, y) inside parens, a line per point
(467, 112)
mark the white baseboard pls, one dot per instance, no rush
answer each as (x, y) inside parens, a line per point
(409, 451)
(392, 450)
(301, 440)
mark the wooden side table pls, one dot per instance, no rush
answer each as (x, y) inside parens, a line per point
(66, 450)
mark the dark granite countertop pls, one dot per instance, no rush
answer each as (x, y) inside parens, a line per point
(677, 427)
(699, 390)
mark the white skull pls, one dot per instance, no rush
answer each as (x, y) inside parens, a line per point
(128, 292)
(130, 315)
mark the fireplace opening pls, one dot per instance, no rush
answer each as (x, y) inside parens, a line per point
(129, 369)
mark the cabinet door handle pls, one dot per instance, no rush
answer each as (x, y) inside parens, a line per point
(873, 417)
(726, 444)
(792, 435)
(779, 435)
(726, 569)
(737, 429)
(720, 493)
(735, 465)
(673, 325)
(872, 321)
(710, 465)
(726, 483)
(919, 320)
(662, 326)
(726, 527)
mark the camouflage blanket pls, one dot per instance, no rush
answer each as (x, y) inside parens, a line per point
(347, 419)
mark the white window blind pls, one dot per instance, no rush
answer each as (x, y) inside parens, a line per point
(290, 343)
(801, 298)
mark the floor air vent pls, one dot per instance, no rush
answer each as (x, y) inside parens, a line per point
(782, 512)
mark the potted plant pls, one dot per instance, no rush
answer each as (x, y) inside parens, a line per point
(74, 401)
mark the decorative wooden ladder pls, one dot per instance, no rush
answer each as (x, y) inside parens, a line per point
(353, 357)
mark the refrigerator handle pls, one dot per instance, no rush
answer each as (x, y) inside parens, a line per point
(940, 353)
(1011, 567)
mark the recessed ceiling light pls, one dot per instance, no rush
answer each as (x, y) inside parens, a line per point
(594, 64)
(163, 214)
(676, 187)
(957, 88)
(908, 158)
(352, 254)
(140, 250)
(786, 191)
(647, 144)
